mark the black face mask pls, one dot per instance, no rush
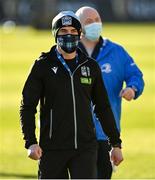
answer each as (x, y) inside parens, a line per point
(68, 42)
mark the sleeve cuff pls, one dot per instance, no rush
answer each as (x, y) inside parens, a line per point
(29, 143)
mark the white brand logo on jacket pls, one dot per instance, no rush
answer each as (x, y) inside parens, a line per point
(54, 69)
(132, 64)
(85, 71)
(106, 68)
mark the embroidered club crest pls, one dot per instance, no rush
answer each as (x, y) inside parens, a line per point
(66, 21)
(106, 68)
(85, 71)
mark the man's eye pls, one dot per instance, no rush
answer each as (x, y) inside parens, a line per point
(63, 30)
(74, 31)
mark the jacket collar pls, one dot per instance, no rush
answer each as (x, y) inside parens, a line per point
(51, 55)
(96, 49)
(101, 49)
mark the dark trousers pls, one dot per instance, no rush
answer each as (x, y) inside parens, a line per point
(81, 164)
(104, 167)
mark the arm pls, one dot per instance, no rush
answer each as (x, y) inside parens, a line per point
(31, 95)
(133, 78)
(105, 115)
(103, 109)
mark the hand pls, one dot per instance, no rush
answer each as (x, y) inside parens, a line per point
(127, 93)
(116, 156)
(35, 152)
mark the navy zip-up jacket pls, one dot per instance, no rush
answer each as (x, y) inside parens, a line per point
(117, 67)
(65, 104)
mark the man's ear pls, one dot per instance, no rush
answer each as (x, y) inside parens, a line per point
(81, 36)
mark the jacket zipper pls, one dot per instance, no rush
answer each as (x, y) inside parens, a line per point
(74, 105)
(73, 94)
(51, 123)
(74, 109)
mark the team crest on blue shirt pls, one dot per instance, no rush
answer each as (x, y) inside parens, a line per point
(106, 68)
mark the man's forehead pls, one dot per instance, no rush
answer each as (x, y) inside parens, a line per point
(90, 14)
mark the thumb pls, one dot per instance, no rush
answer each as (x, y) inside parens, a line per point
(39, 152)
(121, 92)
(112, 157)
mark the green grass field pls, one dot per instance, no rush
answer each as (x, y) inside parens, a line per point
(20, 48)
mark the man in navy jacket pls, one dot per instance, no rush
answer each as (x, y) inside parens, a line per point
(117, 67)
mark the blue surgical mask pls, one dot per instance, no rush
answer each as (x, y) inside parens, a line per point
(93, 31)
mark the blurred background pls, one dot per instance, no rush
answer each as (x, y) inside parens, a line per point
(25, 32)
(39, 13)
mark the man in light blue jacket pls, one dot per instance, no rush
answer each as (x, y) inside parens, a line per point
(117, 67)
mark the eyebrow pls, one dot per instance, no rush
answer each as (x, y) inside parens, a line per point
(63, 28)
(90, 19)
